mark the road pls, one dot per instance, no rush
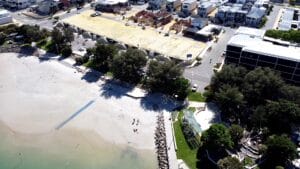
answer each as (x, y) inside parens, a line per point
(47, 22)
(272, 18)
(202, 74)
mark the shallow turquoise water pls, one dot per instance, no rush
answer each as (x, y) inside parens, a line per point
(55, 152)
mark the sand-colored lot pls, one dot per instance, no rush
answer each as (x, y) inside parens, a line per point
(150, 39)
(53, 110)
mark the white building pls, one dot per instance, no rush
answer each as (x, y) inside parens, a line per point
(110, 5)
(288, 21)
(5, 17)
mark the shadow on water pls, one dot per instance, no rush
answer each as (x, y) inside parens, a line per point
(115, 89)
(158, 102)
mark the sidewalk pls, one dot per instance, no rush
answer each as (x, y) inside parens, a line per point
(170, 142)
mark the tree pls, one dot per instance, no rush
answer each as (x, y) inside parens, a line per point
(290, 93)
(281, 116)
(57, 40)
(230, 100)
(230, 163)
(280, 149)
(103, 55)
(261, 84)
(129, 65)
(181, 88)
(32, 33)
(233, 76)
(236, 133)
(217, 137)
(68, 34)
(166, 77)
(66, 51)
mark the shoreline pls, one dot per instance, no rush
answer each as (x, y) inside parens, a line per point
(40, 95)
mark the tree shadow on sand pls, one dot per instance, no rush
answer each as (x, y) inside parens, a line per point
(113, 88)
(159, 102)
(91, 76)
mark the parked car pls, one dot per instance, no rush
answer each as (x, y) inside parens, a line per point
(96, 14)
(194, 88)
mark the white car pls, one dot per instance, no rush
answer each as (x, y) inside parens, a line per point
(194, 88)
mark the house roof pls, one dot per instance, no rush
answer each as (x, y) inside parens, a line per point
(250, 31)
(256, 12)
(110, 2)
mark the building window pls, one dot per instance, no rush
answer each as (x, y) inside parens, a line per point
(234, 48)
(248, 61)
(285, 69)
(265, 64)
(231, 60)
(267, 59)
(286, 62)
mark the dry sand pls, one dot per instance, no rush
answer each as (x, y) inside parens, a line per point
(150, 39)
(36, 97)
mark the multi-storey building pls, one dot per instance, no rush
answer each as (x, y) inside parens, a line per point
(205, 8)
(250, 49)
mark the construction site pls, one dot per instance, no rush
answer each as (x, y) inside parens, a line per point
(156, 32)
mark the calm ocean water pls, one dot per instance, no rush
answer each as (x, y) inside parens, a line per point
(55, 152)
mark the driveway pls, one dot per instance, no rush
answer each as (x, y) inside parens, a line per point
(272, 18)
(202, 74)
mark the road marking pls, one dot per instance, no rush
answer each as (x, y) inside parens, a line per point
(74, 115)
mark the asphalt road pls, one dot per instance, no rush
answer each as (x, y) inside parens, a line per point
(202, 74)
(47, 22)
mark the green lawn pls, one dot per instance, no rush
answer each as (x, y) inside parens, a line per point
(183, 150)
(196, 96)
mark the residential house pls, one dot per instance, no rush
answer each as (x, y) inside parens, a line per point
(47, 7)
(205, 8)
(156, 4)
(111, 5)
(5, 17)
(262, 3)
(231, 15)
(173, 5)
(188, 6)
(255, 16)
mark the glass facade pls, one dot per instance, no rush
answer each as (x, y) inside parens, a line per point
(289, 70)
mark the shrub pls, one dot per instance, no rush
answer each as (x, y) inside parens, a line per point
(66, 51)
(82, 60)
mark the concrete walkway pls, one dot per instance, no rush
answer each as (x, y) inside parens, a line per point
(170, 141)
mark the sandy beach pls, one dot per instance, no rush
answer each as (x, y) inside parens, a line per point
(46, 104)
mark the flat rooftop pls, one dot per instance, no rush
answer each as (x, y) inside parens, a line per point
(150, 39)
(250, 31)
(258, 45)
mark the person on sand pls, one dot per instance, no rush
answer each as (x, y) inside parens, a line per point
(133, 121)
